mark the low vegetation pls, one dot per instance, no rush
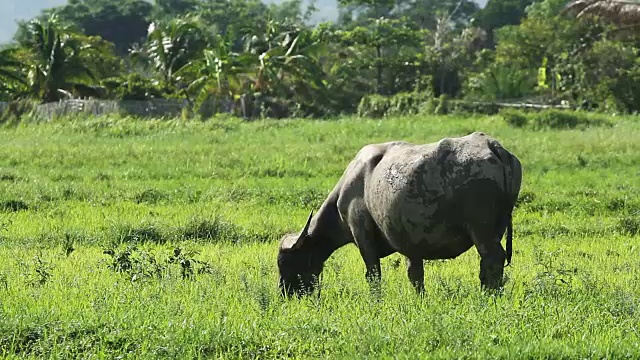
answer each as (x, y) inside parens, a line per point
(157, 239)
(553, 119)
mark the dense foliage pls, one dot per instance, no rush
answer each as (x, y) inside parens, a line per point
(272, 61)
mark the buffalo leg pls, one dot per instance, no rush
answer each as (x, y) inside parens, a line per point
(373, 275)
(362, 230)
(492, 258)
(415, 272)
(371, 262)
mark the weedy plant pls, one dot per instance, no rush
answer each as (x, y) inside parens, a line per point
(140, 264)
(136, 264)
(188, 263)
(38, 271)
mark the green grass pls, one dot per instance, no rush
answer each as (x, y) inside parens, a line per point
(224, 191)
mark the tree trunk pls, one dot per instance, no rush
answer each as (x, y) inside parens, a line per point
(379, 70)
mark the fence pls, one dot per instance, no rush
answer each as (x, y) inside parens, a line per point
(169, 108)
(144, 108)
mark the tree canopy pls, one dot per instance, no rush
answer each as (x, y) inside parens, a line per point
(273, 61)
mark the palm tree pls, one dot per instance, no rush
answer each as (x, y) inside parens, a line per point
(11, 73)
(56, 69)
(9, 65)
(617, 11)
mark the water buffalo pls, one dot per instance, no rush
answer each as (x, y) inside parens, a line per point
(430, 201)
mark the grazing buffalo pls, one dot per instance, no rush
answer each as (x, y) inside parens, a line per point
(431, 201)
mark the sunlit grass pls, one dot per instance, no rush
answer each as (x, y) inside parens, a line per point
(224, 191)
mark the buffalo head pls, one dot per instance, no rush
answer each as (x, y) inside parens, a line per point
(299, 268)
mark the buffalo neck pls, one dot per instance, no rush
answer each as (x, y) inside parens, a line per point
(326, 230)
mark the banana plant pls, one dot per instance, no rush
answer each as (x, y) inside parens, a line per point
(170, 46)
(220, 73)
(287, 65)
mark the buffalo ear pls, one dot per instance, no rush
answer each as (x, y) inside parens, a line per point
(292, 242)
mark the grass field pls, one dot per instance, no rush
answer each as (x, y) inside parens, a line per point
(158, 239)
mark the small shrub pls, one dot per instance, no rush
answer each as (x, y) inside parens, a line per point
(135, 263)
(622, 304)
(443, 105)
(373, 106)
(138, 235)
(186, 113)
(139, 264)
(629, 225)
(471, 107)
(377, 106)
(617, 204)
(150, 196)
(514, 118)
(67, 243)
(5, 176)
(554, 231)
(4, 282)
(40, 272)
(404, 104)
(102, 177)
(14, 205)
(16, 110)
(428, 107)
(307, 197)
(120, 260)
(233, 195)
(554, 119)
(551, 119)
(260, 291)
(70, 192)
(582, 161)
(525, 197)
(563, 119)
(212, 230)
(188, 263)
(265, 235)
(553, 280)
